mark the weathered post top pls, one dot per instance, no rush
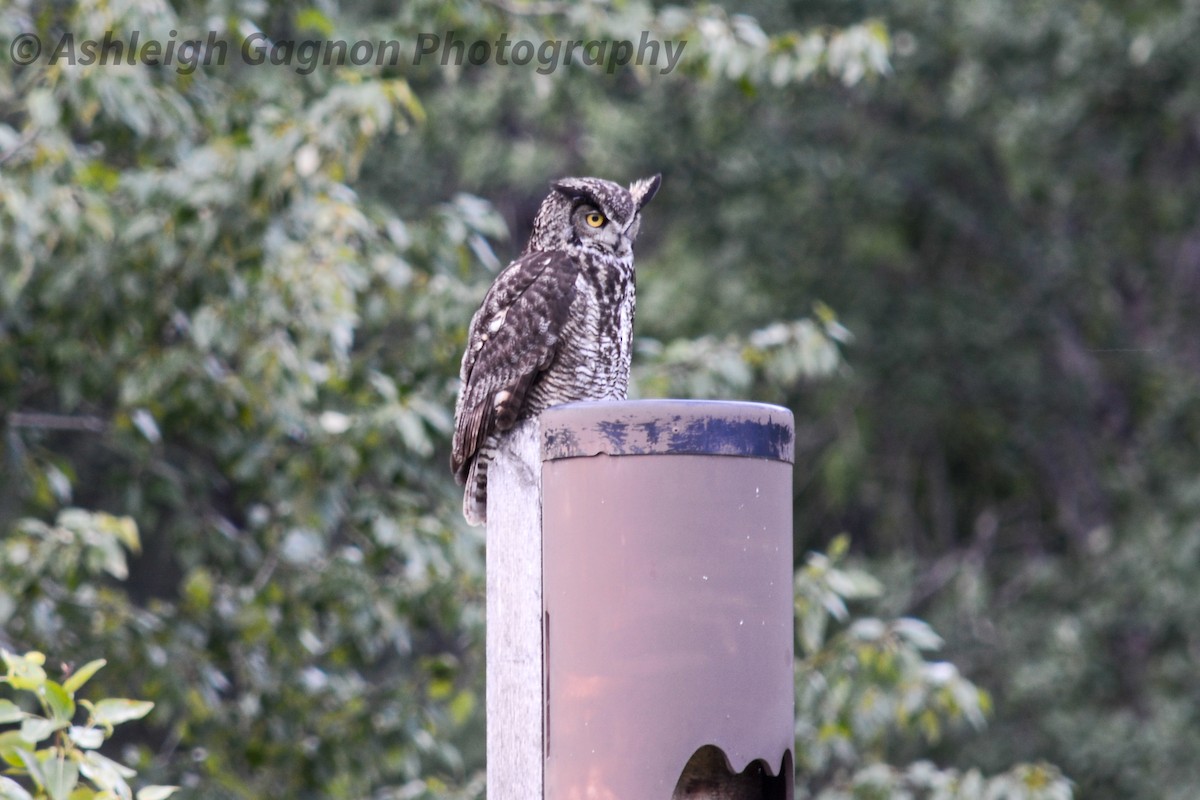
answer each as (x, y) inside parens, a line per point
(668, 427)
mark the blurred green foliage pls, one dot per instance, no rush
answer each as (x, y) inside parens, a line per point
(69, 765)
(959, 239)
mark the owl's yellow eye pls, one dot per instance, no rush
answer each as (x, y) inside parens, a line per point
(595, 219)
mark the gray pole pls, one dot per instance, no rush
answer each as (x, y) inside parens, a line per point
(514, 618)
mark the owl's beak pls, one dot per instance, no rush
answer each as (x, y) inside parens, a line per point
(630, 231)
(625, 242)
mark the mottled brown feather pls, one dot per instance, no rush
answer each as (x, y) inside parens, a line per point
(517, 328)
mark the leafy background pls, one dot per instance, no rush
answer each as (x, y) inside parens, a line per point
(958, 239)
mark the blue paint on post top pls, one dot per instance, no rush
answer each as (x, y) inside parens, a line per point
(617, 433)
(668, 427)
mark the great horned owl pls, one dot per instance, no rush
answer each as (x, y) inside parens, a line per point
(556, 326)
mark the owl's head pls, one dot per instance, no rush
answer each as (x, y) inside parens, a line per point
(592, 213)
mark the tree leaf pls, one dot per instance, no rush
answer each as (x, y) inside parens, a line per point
(10, 743)
(123, 528)
(82, 675)
(918, 633)
(107, 774)
(309, 19)
(62, 774)
(88, 738)
(11, 790)
(62, 706)
(35, 729)
(25, 672)
(156, 792)
(32, 766)
(114, 711)
(10, 712)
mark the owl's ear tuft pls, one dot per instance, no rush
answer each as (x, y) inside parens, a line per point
(643, 190)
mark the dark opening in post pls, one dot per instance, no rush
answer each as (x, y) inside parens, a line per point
(708, 776)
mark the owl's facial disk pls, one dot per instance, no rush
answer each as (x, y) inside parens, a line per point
(593, 225)
(603, 213)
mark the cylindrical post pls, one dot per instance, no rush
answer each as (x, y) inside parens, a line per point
(660, 629)
(667, 597)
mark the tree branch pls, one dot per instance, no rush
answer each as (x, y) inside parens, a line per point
(56, 422)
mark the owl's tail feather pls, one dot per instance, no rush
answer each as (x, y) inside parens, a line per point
(475, 492)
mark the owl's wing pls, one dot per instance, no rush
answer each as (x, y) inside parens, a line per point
(513, 338)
